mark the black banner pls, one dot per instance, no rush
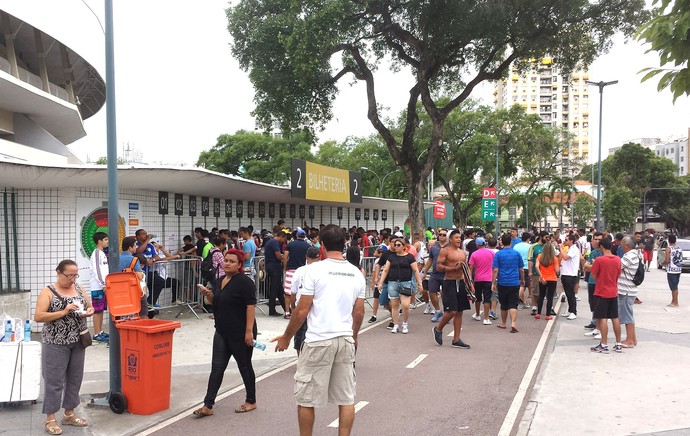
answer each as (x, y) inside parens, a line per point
(162, 203)
(376, 214)
(340, 213)
(366, 214)
(205, 206)
(293, 211)
(239, 209)
(358, 214)
(216, 207)
(228, 208)
(384, 214)
(302, 212)
(312, 212)
(250, 209)
(192, 205)
(262, 209)
(271, 210)
(179, 205)
(281, 211)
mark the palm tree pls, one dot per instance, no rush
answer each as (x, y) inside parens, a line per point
(543, 207)
(564, 187)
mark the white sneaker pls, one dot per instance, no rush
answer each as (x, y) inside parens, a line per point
(597, 336)
(405, 330)
(565, 313)
(592, 332)
(572, 316)
(577, 298)
(486, 322)
(476, 317)
(394, 329)
(429, 309)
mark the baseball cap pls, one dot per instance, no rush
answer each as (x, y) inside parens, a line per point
(301, 233)
(398, 234)
(480, 241)
(313, 252)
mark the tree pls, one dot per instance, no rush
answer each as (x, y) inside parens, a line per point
(257, 156)
(296, 52)
(668, 33)
(585, 209)
(103, 160)
(564, 187)
(619, 207)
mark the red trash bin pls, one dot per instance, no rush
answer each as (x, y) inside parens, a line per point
(145, 347)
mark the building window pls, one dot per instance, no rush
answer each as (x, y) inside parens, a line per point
(682, 158)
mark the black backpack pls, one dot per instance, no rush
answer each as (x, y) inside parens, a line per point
(638, 278)
(208, 272)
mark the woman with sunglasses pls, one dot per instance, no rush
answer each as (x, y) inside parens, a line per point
(400, 269)
(63, 308)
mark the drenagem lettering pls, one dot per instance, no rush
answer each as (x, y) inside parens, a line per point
(319, 182)
(338, 273)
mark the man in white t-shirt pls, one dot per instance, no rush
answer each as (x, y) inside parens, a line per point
(332, 302)
(570, 264)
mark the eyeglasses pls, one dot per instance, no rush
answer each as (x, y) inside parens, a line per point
(442, 234)
(70, 276)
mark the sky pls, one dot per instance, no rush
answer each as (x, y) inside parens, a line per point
(178, 87)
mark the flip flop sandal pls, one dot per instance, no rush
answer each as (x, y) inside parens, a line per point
(501, 327)
(53, 429)
(243, 409)
(73, 420)
(200, 412)
(513, 330)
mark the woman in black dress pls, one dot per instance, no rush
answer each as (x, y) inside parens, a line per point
(234, 302)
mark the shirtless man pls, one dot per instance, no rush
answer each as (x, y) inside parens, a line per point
(454, 295)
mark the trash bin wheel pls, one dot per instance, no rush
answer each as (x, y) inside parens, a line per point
(117, 402)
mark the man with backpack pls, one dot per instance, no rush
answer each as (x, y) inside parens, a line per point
(674, 266)
(212, 265)
(627, 289)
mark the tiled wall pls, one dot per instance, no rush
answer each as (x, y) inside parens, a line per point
(47, 227)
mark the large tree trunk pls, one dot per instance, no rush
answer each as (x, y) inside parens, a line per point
(416, 205)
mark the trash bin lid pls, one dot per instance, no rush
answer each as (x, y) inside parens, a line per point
(150, 325)
(123, 292)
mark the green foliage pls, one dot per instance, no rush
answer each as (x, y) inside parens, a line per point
(585, 211)
(668, 33)
(619, 207)
(257, 156)
(297, 51)
(103, 160)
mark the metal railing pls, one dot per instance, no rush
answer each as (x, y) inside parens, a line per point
(177, 280)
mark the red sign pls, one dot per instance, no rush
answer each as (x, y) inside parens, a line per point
(489, 192)
(439, 210)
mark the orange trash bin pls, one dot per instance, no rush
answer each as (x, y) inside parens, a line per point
(145, 347)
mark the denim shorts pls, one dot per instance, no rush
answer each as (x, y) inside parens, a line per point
(673, 280)
(625, 309)
(393, 288)
(383, 295)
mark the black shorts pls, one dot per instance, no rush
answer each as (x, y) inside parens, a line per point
(425, 284)
(590, 295)
(509, 296)
(455, 296)
(605, 308)
(482, 290)
(528, 279)
(377, 294)
(434, 285)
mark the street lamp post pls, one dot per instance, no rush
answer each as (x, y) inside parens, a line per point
(498, 198)
(572, 195)
(381, 180)
(600, 85)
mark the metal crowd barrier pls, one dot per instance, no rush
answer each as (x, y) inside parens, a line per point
(258, 274)
(368, 264)
(181, 279)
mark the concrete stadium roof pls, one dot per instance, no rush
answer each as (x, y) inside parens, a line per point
(178, 180)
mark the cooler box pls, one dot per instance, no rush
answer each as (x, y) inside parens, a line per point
(21, 365)
(145, 347)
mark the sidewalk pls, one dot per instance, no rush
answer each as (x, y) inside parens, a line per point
(643, 390)
(192, 345)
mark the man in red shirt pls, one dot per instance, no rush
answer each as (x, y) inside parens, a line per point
(606, 269)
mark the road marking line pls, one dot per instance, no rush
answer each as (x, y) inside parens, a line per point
(516, 405)
(186, 413)
(417, 361)
(358, 407)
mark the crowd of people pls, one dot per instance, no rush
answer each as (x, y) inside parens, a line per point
(316, 276)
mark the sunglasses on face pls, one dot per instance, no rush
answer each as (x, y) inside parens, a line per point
(442, 234)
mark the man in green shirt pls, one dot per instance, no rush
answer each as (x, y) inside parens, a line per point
(534, 251)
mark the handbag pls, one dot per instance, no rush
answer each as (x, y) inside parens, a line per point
(85, 338)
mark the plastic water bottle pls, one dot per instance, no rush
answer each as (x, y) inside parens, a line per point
(259, 345)
(27, 331)
(8, 331)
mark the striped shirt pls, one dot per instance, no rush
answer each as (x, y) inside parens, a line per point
(629, 263)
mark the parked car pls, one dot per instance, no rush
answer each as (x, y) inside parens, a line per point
(684, 244)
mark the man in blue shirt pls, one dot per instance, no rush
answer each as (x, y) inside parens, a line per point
(249, 249)
(126, 257)
(154, 281)
(273, 253)
(523, 248)
(514, 238)
(508, 276)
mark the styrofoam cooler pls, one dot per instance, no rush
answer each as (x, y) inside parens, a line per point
(20, 363)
